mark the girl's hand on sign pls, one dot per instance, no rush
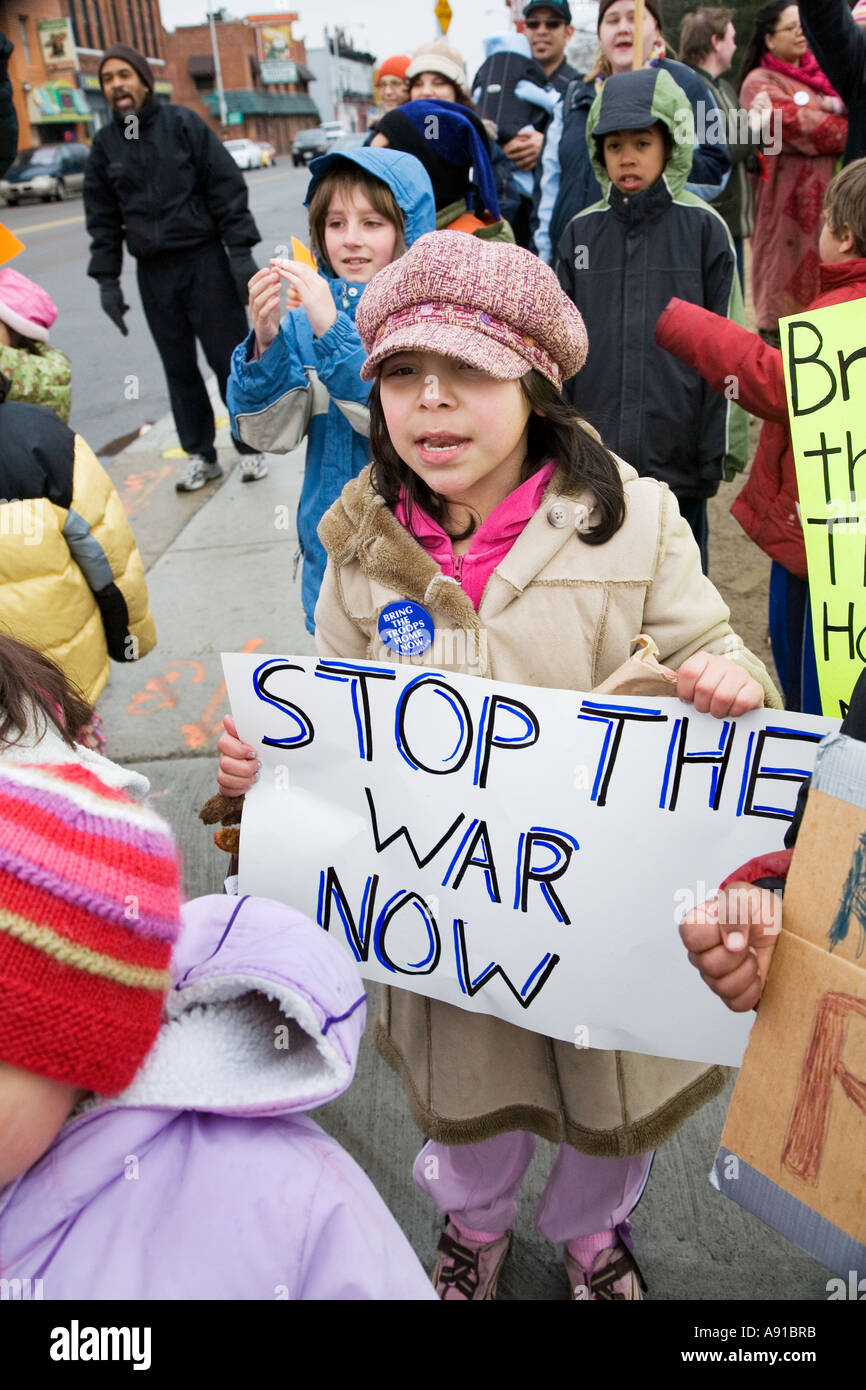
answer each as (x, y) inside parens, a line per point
(264, 288)
(718, 686)
(309, 290)
(730, 940)
(239, 765)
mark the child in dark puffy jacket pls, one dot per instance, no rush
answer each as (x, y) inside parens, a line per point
(620, 261)
(767, 506)
(37, 373)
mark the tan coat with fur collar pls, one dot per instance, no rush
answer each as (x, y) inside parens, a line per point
(560, 613)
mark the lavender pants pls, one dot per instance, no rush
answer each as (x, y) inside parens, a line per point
(478, 1183)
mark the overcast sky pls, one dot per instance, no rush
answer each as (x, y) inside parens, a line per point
(382, 27)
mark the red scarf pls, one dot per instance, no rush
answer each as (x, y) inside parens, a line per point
(808, 74)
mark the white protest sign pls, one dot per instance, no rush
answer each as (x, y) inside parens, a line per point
(512, 850)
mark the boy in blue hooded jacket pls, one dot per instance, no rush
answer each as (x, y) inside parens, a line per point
(302, 376)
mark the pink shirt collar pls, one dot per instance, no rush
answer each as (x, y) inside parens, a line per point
(491, 542)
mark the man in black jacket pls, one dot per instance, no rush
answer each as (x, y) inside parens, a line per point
(8, 118)
(158, 177)
(840, 47)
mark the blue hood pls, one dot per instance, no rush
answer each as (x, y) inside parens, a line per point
(405, 175)
(507, 43)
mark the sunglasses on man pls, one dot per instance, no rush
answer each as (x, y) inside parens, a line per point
(544, 23)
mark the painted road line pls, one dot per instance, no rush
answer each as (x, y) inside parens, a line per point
(44, 226)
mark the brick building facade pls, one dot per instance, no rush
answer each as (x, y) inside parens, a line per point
(257, 108)
(60, 96)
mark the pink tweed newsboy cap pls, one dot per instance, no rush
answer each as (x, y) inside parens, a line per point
(489, 303)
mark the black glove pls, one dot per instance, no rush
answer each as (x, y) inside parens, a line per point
(111, 299)
(243, 268)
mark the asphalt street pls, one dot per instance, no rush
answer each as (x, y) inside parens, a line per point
(118, 383)
(220, 575)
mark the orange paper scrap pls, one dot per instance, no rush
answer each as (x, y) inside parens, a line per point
(9, 244)
(302, 253)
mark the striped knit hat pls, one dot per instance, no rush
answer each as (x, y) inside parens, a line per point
(89, 911)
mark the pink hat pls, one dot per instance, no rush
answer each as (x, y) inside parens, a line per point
(488, 303)
(25, 307)
(859, 12)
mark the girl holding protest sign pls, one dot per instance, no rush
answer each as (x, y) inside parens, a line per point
(496, 515)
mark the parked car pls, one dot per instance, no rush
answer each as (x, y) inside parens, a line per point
(46, 172)
(245, 153)
(353, 141)
(269, 154)
(309, 144)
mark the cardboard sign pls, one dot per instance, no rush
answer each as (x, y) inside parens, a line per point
(794, 1143)
(824, 355)
(515, 851)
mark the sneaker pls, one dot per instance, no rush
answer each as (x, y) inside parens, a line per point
(200, 471)
(253, 467)
(614, 1276)
(467, 1269)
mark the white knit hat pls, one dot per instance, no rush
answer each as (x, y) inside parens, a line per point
(439, 56)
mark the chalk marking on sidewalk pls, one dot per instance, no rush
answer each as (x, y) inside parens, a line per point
(198, 734)
(158, 687)
(138, 487)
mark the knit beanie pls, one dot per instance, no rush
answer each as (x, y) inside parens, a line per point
(654, 7)
(439, 56)
(25, 306)
(89, 911)
(132, 56)
(394, 67)
(449, 141)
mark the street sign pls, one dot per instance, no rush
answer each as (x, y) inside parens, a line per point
(443, 13)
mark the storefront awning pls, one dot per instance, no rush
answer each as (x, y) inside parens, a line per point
(264, 104)
(200, 65)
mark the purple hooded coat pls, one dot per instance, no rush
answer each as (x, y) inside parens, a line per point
(206, 1179)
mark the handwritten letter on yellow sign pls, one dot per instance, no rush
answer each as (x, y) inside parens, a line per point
(824, 353)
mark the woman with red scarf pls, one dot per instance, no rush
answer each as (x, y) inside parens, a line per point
(779, 71)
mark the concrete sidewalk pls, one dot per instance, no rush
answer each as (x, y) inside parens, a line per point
(220, 577)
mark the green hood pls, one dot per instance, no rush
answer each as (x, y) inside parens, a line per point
(634, 101)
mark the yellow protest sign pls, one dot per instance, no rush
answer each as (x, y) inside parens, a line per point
(824, 354)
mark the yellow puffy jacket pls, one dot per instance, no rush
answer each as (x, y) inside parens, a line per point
(71, 579)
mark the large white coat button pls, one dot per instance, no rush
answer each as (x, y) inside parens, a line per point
(801, 98)
(353, 292)
(558, 516)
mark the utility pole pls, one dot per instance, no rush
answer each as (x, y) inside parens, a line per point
(218, 70)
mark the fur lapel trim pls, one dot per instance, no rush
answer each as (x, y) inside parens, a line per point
(360, 526)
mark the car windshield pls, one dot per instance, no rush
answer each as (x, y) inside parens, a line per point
(235, 144)
(44, 155)
(307, 137)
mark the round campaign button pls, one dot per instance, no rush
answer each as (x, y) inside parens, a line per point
(405, 628)
(801, 98)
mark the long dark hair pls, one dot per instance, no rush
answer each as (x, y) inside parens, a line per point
(31, 684)
(764, 23)
(556, 431)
